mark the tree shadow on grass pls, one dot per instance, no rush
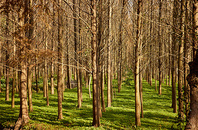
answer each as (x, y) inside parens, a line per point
(156, 119)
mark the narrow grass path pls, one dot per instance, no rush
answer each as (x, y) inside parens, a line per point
(157, 111)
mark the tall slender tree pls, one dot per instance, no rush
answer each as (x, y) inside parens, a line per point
(96, 113)
(7, 51)
(160, 47)
(137, 65)
(60, 67)
(109, 57)
(180, 62)
(175, 13)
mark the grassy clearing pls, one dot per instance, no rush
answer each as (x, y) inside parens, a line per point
(157, 110)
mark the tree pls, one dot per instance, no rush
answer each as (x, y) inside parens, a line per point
(193, 79)
(60, 59)
(23, 114)
(137, 65)
(29, 35)
(76, 42)
(186, 35)
(53, 48)
(180, 62)
(7, 50)
(96, 113)
(174, 100)
(109, 58)
(160, 48)
(122, 4)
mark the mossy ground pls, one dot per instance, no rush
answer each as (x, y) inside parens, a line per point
(158, 113)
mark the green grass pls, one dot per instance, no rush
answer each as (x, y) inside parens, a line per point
(157, 110)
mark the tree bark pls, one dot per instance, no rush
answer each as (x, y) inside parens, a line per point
(174, 100)
(160, 49)
(13, 88)
(7, 55)
(120, 47)
(0, 62)
(60, 67)
(109, 59)
(102, 90)
(29, 84)
(180, 64)
(53, 48)
(76, 42)
(137, 65)
(186, 86)
(193, 80)
(23, 114)
(96, 112)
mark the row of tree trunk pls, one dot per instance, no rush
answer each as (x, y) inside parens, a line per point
(99, 50)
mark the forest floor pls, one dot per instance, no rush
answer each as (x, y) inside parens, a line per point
(158, 113)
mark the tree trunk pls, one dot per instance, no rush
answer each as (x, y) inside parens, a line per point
(160, 49)
(68, 56)
(53, 48)
(109, 59)
(45, 62)
(0, 66)
(120, 48)
(0, 76)
(193, 79)
(7, 57)
(174, 99)
(140, 77)
(29, 84)
(180, 64)
(60, 67)
(90, 86)
(29, 35)
(102, 90)
(137, 65)
(23, 115)
(13, 88)
(186, 86)
(76, 42)
(96, 112)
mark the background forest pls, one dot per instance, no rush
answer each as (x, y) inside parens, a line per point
(73, 64)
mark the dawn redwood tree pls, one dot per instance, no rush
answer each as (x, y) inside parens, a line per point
(45, 62)
(109, 56)
(45, 73)
(186, 35)
(53, 48)
(192, 78)
(100, 57)
(7, 51)
(96, 112)
(98, 54)
(76, 42)
(175, 15)
(160, 47)
(150, 48)
(137, 65)
(29, 34)
(119, 72)
(180, 62)
(60, 67)
(23, 114)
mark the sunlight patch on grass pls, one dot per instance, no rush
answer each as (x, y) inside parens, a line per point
(157, 111)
